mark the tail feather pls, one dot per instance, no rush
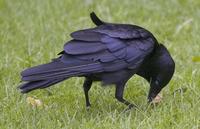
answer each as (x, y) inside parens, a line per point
(45, 75)
(44, 68)
(29, 86)
(59, 73)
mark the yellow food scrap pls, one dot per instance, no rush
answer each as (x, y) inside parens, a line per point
(157, 99)
(34, 102)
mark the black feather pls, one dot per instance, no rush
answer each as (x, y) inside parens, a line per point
(32, 85)
(95, 19)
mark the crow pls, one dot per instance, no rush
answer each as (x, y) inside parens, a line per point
(111, 53)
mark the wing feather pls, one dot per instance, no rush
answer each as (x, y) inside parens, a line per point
(80, 47)
(113, 46)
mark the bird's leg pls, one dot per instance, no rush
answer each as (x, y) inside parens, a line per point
(119, 95)
(86, 86)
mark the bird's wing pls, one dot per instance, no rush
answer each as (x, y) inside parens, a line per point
(112, 47)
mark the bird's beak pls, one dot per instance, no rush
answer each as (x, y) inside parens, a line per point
(151, 97)
(153, 92)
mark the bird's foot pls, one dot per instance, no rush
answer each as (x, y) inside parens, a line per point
(131, 106)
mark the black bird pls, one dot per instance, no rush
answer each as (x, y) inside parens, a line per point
(110, 53)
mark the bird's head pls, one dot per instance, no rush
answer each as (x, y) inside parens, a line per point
(162, 69)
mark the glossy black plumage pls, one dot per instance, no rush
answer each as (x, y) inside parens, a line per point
(111, 53)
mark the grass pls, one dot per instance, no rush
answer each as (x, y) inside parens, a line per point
(33, 32)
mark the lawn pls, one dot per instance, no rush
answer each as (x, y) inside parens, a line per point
(33, 32)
